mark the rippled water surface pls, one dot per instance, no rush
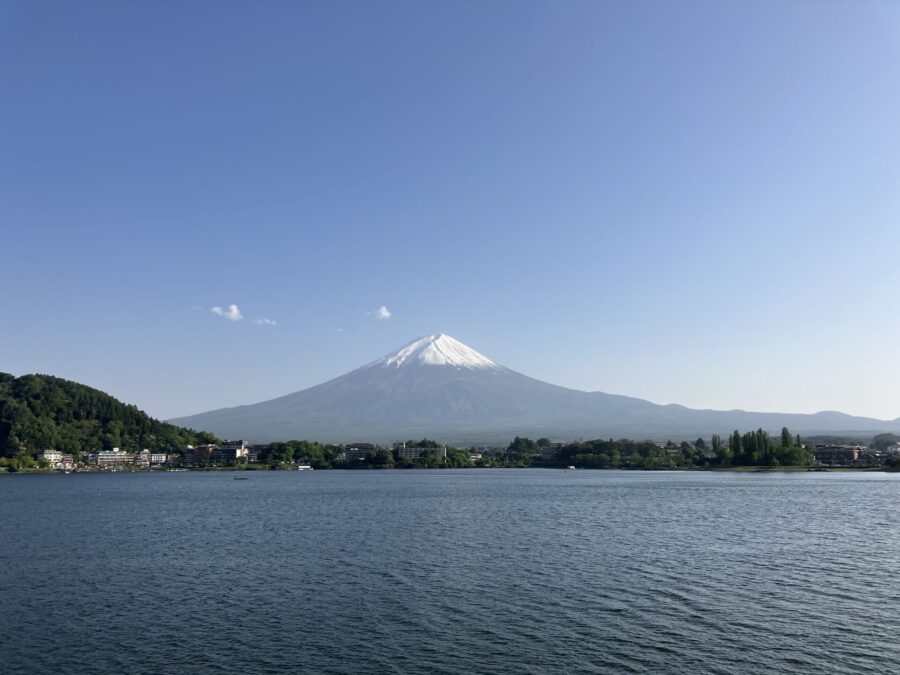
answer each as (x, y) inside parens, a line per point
(465, 571)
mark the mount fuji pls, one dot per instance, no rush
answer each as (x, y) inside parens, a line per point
(437, 386)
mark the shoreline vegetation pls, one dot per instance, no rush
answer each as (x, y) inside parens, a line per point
(51, 424)
(752, 452)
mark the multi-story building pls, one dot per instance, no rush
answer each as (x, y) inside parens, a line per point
(404, 452)
(157, 458)
(230, 451)
(202, 454)
(357, 451)
(837, 455)
(59, 460)
(142, 458)
(111, 459)
(52, 456)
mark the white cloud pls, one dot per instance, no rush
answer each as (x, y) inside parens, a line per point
(382, 313)
(232, 313)
(265, 322)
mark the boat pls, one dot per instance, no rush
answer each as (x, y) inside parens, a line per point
(304, 467)
(570, 468)
(241, 478)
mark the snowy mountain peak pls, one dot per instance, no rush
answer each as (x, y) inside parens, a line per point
(437, 350)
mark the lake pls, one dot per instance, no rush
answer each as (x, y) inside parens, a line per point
(488, 571)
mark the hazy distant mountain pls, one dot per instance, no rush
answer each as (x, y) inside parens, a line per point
(439, 387)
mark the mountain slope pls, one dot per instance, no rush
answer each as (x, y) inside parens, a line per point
(440, 387)
(40, 412)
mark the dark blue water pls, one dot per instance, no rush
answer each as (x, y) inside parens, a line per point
(450, 571)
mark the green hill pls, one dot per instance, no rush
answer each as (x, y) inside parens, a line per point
(38, 412)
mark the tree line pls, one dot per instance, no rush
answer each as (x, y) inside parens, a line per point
(753, 448)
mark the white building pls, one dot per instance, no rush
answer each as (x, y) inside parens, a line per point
(112, 458)
(52, 456)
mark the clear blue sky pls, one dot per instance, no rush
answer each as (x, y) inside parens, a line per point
(693, 202)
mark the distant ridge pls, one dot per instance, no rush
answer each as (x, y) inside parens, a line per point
(439, 387)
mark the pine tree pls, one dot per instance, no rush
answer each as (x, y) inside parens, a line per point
(735, 443)
(787, 440)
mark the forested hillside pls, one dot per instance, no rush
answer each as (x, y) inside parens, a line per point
(38, 412)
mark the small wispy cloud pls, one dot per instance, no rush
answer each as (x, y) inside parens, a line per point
(382, 313)
(232, 313)
(265, 322)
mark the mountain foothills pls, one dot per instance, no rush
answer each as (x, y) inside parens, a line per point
(437, 386)
(38, 412)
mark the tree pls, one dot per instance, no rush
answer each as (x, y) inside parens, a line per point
(734, 443)
(787, 440)
(424, 443)
(700, 444)
(382, 459)
(521, 444)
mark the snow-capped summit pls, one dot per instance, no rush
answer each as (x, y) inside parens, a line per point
(436, 350)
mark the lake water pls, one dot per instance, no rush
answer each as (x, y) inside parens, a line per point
(487, 571)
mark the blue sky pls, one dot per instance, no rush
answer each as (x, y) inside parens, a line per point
(690, 202)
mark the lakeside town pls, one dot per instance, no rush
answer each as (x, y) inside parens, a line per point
(303, 455)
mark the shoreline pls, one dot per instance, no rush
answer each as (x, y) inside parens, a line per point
(267, 469)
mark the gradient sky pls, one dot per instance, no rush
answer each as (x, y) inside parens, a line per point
(692, 202)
